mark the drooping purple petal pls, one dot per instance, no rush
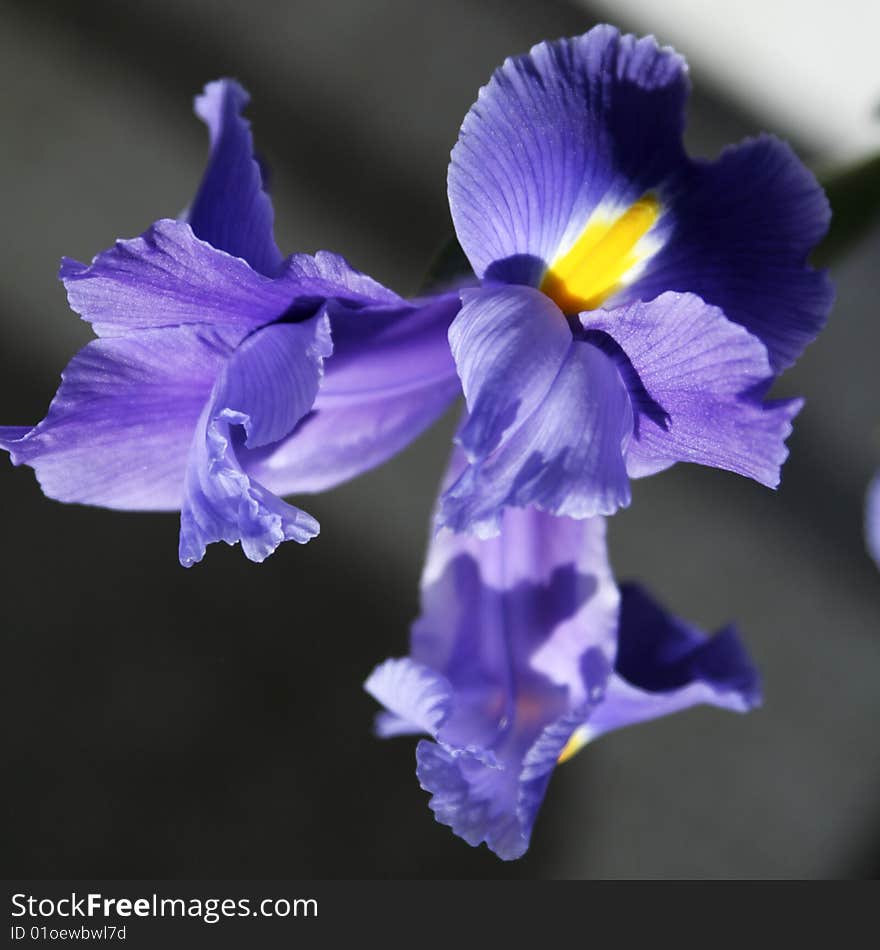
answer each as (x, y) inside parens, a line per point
(118, 431)
(169, 277)
(262, 391)
(231, 210)
(512, 649)
(743, 229)
(664, 665)
(575, 125)
(549, 416)
(697, 383)
(390, 377)
(872, 520)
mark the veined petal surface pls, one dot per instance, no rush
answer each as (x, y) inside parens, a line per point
(549, 415)
(169, 277)
(118, 431)
(576, 126)
(664, 665)
(697, 383)
(263, 389)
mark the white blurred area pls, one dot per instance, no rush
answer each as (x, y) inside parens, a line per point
(809, 69)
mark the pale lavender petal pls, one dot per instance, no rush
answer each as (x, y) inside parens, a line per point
(477, 801)
(574, 125)
(664, 665)
(697, 383)
(512, 649)
(118, 431)
(231, 210)
(222, 503)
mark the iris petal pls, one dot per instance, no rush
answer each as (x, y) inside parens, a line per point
(697, 383)
(264, 388)
(390, 377)
(664, 665)
(549, 416)
(872, 520)
(118, 431)
(576, 127)
(513, 647)
(742, 229)
(169, 277)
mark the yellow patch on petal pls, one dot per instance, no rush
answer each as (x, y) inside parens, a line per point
(594, 266)
(576, 741)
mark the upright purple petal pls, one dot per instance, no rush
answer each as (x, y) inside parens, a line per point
(664, 665)
(118, 431)
(549, 416)
(742, 230)
(697, 383)
(169, 277)
(265, 387)
(390, 377)
(231, 210)
(574, 126)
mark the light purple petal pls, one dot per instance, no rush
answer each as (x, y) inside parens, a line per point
(168, 277)
(549, 416)
(575, 124)
(509, 344)
(872, 520)
(329, 275)
(743, 229)
(118, 431)
(231, 210)
(222, 502)
(390, 377)
(697, 383)
(664, 665)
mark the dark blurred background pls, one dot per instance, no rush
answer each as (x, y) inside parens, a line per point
(168, 723)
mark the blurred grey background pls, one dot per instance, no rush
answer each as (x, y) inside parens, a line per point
(167, 723)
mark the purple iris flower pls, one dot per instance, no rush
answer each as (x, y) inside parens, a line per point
(524, 651)
(225, 375)
(635, 304)
(872, 520)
